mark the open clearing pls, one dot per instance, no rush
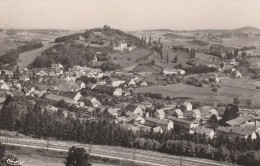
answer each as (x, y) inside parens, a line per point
(131, 58)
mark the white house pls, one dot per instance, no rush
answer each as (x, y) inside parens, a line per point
(169, 71)
(118, 92)
(115, 82)
(196, 114)
(186, 106)
(3, 85)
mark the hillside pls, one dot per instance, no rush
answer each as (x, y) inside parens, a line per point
(80, 48)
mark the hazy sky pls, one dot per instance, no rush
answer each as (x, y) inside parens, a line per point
(130, 14)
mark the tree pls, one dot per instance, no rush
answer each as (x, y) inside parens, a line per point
(17, 73)
(236, 101)
(175, 60)
(77, 157)
(161, 53)
(150, 40)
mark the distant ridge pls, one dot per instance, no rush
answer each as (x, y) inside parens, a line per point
(238, 30)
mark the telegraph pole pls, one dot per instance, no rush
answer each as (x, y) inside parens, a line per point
(134, 154)
(6, 136)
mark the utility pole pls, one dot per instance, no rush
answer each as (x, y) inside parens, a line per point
(6, 136)
(134, 154)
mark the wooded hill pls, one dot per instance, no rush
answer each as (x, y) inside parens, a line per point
(80, 48)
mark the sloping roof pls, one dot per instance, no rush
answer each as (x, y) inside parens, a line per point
(239, 120)
(150, 119)
(177, 120)
(235, 130)
(163, 121)
(178, 112)
(70, 95)
(131, 107)
(58, 98)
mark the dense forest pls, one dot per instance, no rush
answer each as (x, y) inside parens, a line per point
(21, 115)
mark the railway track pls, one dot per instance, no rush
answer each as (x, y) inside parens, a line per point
(139, 156)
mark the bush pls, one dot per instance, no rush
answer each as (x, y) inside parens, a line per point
(129, 59)
(214, 89)
(258, 87)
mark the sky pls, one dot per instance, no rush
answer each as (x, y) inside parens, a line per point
(130, 14)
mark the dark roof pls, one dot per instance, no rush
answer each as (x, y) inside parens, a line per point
(131, 107)
(70, 95)
(235, 129)
(238, 121)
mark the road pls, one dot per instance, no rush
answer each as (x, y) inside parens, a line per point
(138, 156)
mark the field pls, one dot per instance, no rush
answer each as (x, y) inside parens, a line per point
(28, 57)
(31, 160)
(230, 88)
(132, 58)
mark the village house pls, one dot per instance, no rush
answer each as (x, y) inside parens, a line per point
(177, 113)
(120, 120)
(135, 119)
(186, 106)
(132, 109)
(209, 133)
(184, 126)
(169, 72)
(80, 84)
(165, 124)
(57, 66)
(235, 131)
(118, 92)
(76, 96)
(3, 85)
(239, 121)
(115, 82)
(196, 114)
(91, 101)
(111, 112)
(90, 86)
(159, 113)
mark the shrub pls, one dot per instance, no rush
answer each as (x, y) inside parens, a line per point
(215, 89)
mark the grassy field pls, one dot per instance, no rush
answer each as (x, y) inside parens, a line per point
(127, 59)
(230, 89)
(33, 160)
(28, 57)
